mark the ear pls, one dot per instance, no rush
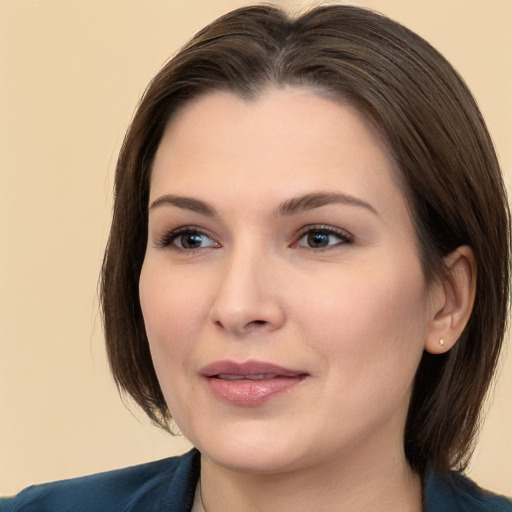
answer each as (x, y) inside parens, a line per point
(452, 301)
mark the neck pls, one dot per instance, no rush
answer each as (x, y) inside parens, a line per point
(352, 486)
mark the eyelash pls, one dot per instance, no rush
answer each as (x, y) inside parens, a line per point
(342, 235)
(168, 239)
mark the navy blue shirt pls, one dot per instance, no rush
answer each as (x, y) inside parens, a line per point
(169, 485)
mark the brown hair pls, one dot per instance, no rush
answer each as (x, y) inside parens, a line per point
(447, 166)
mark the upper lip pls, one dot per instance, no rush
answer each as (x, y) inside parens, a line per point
(248, 368)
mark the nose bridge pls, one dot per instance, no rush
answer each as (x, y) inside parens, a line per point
(246, 298)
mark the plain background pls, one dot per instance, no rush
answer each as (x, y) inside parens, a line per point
(71, 73)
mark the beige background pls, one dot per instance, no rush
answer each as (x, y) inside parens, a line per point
(71, 73)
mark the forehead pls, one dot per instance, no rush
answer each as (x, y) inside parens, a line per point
(284, 135)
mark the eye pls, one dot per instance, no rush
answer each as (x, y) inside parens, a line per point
(322, 237)
(193, 241)
(188, 239)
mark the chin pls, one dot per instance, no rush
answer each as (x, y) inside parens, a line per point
(255, 461)
(257, 453)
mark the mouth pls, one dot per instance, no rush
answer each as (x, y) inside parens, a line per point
(250, 383)
(259, 376)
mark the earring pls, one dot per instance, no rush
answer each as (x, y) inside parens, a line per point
(441, 342)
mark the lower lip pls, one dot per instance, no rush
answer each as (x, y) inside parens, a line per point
(251, 392)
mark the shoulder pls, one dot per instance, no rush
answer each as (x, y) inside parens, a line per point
(167, 484)
(456, 493)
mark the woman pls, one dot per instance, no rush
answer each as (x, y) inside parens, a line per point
(308, 272)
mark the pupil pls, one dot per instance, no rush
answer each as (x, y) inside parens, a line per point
(318, 239)
(191, 241)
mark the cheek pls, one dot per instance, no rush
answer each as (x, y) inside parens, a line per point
(369, 331)
(371, 321)
(173, 309)
(168, 299)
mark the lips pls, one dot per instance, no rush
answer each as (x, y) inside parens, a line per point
(251, 382)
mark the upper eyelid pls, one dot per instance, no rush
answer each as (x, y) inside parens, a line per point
(325, 227)
(192, 229)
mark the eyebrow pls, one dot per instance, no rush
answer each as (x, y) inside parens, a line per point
(185, 203)
(289, 207)
(318, 199)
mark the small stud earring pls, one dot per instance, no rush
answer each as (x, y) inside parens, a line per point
(441, 342)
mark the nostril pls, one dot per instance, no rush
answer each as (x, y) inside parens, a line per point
(256, 324)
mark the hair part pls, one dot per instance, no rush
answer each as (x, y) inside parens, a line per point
(447, 169)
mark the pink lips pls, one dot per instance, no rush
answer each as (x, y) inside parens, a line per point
(249, 383)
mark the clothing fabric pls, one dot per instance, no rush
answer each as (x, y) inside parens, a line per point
(169, 485)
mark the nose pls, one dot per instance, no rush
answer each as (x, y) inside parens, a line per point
(247, 299)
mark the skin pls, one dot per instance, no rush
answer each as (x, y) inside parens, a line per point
(355, 315)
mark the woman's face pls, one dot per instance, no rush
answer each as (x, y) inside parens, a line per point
(282, 292)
